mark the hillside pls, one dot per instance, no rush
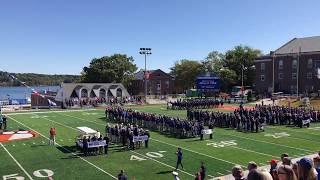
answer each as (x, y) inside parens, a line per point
(33, 79)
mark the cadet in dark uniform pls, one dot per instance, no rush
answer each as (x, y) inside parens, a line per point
(4, 119)
(107, 144)
(147, 141)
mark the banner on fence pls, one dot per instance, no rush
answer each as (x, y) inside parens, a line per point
(140, 138)
(92, 144)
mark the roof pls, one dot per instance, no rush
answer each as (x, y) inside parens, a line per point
(140, 74)
(302, 45)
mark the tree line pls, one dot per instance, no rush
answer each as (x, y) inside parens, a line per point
(33, 79)
(227, 66)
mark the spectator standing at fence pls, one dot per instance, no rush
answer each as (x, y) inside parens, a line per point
(52, 132)
(179, 158)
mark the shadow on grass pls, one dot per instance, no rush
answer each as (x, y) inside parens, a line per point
(164, 172)
(67, 149)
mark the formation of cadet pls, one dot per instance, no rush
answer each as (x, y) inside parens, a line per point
(203, 103)
(255, 119)
(123, 134)
(176, 127)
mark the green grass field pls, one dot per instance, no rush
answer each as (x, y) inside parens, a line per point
(26, 157)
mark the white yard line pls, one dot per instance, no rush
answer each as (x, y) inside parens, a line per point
(84, 119)
(229, 162)
(249, 150)
(281, 128)
(161, 163)
(14, 159)
(169, 145)
(266, 142)
(66, 149)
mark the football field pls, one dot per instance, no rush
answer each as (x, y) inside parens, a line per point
(35, 159)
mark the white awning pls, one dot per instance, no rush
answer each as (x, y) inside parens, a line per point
(86, 130)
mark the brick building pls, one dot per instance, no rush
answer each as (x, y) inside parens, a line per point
(293, 67)
(158, 83)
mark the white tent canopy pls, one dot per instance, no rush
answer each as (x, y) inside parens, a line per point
(87, 131)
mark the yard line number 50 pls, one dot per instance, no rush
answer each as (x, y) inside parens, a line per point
(41, 173)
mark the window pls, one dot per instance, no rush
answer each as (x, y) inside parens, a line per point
(280, 64)
(262, 77)
(309, 75)
(310, 64)
(262, 66)
(294, 75)
(280, 76)
(294, 64)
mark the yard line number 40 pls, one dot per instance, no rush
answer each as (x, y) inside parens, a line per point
(149, 154)
(41, 173)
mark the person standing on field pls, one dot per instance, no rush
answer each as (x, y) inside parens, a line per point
(52, 140)
(179, 160)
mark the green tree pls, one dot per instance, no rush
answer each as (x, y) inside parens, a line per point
(185, 73)
(109, 69)
(242, 57)
(215, 63)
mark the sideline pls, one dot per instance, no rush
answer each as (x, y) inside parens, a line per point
(16, 162)
(44, 112)
(66, 149)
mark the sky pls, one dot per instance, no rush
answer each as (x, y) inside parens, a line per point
(61, 37)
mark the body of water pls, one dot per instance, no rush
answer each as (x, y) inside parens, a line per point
(22, 92)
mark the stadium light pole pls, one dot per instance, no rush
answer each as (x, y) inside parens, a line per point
(145, 52)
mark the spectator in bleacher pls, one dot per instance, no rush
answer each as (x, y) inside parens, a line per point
(285, 172)
(202, 171)
(316, 161)
(256, 174)
(273, 168)
(237, 173)
(295, 169)
(306, 170)
(252, 166)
